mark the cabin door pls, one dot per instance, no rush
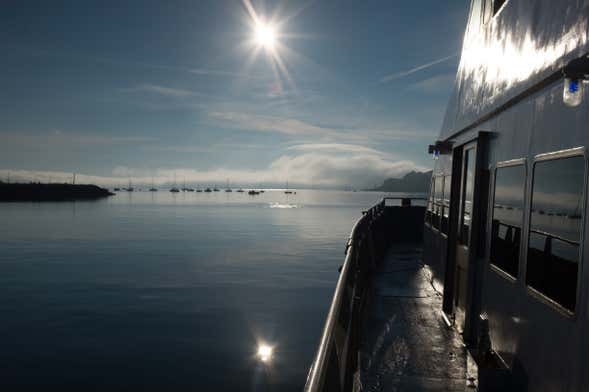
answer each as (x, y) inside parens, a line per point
(463, 228)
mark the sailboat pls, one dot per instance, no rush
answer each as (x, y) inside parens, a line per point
(174, 189)
(130, 188)
(287, 191)
(153, 188)
(228, 189)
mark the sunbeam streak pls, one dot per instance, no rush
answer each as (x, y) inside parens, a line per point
(266, 38)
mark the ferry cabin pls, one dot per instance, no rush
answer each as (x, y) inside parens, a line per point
(506, 217)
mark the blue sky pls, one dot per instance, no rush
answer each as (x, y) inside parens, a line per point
(145, 89)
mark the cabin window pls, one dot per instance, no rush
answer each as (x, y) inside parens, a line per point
(507, 219)
(555, 229)
(467, 191)
(497, 4)
(438, 200)
(430, 203)
(491, 8)
(446, 204)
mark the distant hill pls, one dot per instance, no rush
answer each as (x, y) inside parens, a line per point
(411, 182)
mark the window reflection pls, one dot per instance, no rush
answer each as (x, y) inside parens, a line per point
(446, 204)
(467, 194)
(507, 218)
(438, 199)
(430, 203)
(555, 229)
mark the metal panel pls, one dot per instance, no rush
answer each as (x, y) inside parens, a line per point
(524, 44)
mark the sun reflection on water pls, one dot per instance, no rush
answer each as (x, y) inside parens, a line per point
(265, 352)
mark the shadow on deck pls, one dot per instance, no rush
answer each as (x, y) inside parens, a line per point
(405, 344)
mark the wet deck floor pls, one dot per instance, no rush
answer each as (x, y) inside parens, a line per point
(406, 345)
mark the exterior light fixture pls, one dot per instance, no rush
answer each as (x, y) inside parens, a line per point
(576, 74)
(440, 148)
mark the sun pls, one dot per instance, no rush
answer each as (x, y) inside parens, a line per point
(265, 35)
(269, 35)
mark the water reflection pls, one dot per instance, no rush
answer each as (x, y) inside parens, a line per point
(160, 288)
(555, 229)
(265, 352)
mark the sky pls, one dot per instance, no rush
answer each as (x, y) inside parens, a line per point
(351, 92)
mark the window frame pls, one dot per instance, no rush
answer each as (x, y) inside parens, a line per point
(488, 12)
(495, 13)
(541, 297)
(501, 165)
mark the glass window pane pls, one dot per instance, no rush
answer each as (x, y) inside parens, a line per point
(467, 195)
(558, 197)
(555, 229)
(430, 202)
(507, 218)
(446, 204)
(497, 4)
(439, 187)
(447, 187)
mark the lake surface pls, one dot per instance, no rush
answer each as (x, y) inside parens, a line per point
(146, 290)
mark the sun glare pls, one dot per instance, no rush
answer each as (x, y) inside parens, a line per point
(265, 352)
(265, 35)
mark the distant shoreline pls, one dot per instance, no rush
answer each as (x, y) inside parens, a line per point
(10, 192)
(412, 182)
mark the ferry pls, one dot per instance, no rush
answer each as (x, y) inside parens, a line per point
(481, 286)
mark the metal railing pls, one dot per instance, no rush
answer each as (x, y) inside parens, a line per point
(337, 355)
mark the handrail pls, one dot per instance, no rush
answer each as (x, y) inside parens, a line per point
(318, 371)
(404, 197)
(555, 236)
(314, 378)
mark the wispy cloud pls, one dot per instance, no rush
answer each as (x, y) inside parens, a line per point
(302, 129)
(337, 148)
(401, 74)
(435, 84)
(262, 123)
(221, 73)
(160, 90)
(212, 148)
(59, 137)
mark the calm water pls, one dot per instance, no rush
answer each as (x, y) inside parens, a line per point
(157, 289)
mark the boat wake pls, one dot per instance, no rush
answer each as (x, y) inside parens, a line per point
(280, 205)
